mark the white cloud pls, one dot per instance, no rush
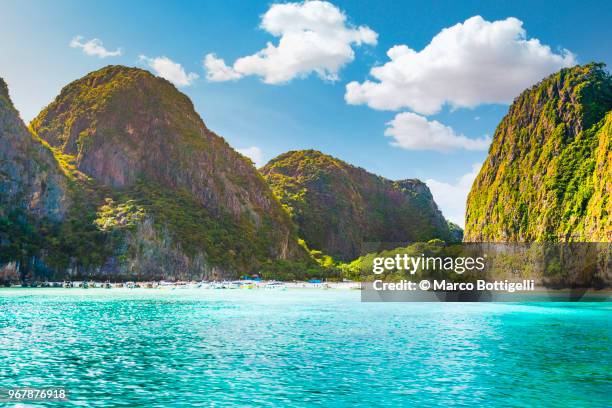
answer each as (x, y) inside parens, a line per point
(313, 37)
(414, 132)
(170, 70)
(217, 71)
(93, 47)
(451, 198)
(465, 65)
(254, 153)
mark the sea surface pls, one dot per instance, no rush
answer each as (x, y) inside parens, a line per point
(310, 347)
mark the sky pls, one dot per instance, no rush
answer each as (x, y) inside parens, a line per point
(401, 88)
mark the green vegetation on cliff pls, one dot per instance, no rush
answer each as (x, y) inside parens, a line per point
(36, 208)
(548, 176)
(154, 194)
(47, 207)
(340, 208)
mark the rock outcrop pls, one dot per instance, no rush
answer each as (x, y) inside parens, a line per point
(154, 193)
(341, 209)
(548, 176)
(30, 177)
(34, 196)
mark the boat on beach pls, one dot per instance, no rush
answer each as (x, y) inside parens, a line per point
(234, 285)
(218, 285)
(165, 285)
(245, 283)
(274, 285)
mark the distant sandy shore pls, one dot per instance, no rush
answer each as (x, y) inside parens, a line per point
(237, 284)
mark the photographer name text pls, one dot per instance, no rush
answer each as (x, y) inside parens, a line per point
(445, 285)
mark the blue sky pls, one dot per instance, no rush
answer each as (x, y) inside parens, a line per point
(437, 122)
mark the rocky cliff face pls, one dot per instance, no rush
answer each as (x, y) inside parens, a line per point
(155, 193)
(548, 176)
(338, 207)
(30, 177)
(33, 192)
(123, 125)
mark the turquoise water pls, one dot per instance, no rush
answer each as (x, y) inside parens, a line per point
(301, 348)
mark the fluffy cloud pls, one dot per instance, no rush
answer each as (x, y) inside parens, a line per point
(217, 71)
(414, 132)
(451, 198)
(93, 47)
(313, 37)
(465, 65)
(170, 70)
(254, 153)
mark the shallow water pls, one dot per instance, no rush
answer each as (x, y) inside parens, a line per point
(301, 347)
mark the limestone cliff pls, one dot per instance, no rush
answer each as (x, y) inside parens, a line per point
(155, 194)
(340, 208)
(548, 176)
(30, 177)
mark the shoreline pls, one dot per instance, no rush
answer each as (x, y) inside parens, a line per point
(256, 285)
(193, 285)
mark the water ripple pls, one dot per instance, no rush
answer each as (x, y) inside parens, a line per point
(297, 348)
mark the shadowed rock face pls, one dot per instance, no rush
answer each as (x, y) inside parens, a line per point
(30, 177)
(340, 208)
(548, 176)
(141, 143)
